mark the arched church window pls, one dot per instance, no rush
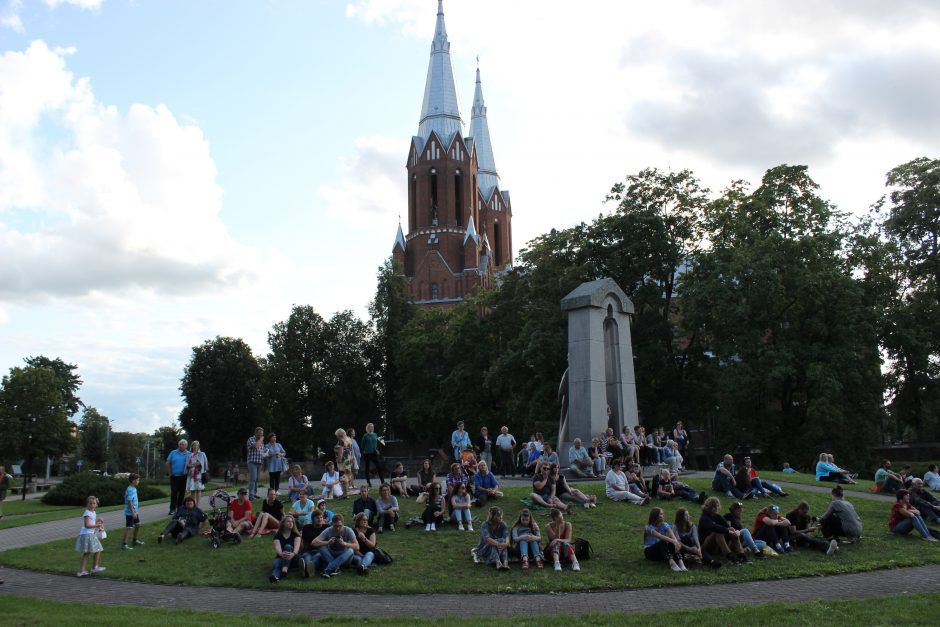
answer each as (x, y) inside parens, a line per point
(434, 293)
(458, 199)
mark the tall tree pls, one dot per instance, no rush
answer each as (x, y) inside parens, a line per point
(390, 312)
(93, 433)
(222, 392)
(69, 381)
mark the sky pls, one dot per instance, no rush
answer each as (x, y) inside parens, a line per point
(176, 170)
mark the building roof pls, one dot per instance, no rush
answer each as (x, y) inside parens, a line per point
(440, 110)
(399, 239)
(471, 232)
(487, 177)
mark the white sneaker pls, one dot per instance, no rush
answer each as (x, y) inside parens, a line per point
(587, 506)
(469, 527)
(833, 547)
(473, 552)
(460, 527)
(391, 527)
(427, 527)
(576, 567)
(98, 569)
(558, 566)
(433, 527)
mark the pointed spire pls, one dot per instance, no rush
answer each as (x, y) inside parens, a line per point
(488, 178)
(471, 232)
(399, 239)
(440, 110)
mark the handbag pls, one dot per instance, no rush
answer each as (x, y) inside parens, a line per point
(381, 556)
(583, 549)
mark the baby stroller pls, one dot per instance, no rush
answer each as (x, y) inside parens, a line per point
(218, 520)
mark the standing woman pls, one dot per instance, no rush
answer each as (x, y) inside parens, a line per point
(196, 465)
(344, 458)
(560, 536)
(660, 544)
(484, 447)
(494, 541)
(275, 454)
(370, 454)
(459, 440)
(356, 457)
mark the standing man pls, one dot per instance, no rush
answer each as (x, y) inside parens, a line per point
(255, 461)
(370, 453)
(484, 446)
(506, 444)
(176, 469)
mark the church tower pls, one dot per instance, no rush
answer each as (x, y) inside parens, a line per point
(459, 221)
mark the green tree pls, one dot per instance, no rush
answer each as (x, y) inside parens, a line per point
(125, 449)
(222, 389)
(164, 440)
(93, 433)
(34, 419)
(69, 381)
(390, 311)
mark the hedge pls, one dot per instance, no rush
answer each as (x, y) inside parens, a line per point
(77, 488)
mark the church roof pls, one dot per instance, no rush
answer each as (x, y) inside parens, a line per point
(471, 232)
(399, 239)
(440, 110)
(487, 177)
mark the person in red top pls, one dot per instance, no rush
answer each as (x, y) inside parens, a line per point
(905, 517)
(773, 529)
(760, 485)
(240, 517)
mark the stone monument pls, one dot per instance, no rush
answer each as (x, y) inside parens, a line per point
(600, 364)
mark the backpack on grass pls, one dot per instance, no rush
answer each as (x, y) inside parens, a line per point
(583, 549)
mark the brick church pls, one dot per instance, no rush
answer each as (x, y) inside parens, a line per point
(459, 219)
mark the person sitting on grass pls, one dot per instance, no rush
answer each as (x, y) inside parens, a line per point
(460, 505)
(744, 534)
(887, 481)
(337, 544)
(186, 522)
(494, 541)
(802, 530)
(905, 517)
(365, 504)
(398, 480)
(717, 536)
(543, 490)
(526, 538)
(787, 469)
(331, 482)
(617, 488)
(566, 493)
(454, 477)
(660, 544)
(387, 506)
(828, 471)
(326, 513)
(773, 529)
(581, 464)
(313, 561)
(724, 479)
(760, 485)
(687, 532)
(485, 486)
(425, 475)
(925, 502)
(560, 539)
(287, 550)
(364, 554)
(841, 519)
(240, 517)
(433, 502)
(664, 488)
(131, 511)
(635, 481)
(685, 491)
(272, 513)
(297, 483)
(302, 510)
(931, 478)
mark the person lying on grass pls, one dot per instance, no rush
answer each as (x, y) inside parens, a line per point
(660, 544)
(560, 539)
(287, 550)
(494, 541)
(566, 493)
(272, 513)
(803, 530)
(526, 539)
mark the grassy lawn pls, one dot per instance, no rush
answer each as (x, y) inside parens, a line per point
(917, 609)
(32, 511)
(803, 478)
(441, 562)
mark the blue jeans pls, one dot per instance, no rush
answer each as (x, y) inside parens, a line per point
(316, 558)
(280, 563)
(722, 483)
(909, 524)
(529, 549)
(748, 541)
(462, 516)
(362, 560)
(254, 471)
(335, 561)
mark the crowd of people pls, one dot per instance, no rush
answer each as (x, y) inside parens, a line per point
(311, 539)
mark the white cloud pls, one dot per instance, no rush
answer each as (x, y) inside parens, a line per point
(92, 198)
(81, 4)
(373, 183)
(10, 15)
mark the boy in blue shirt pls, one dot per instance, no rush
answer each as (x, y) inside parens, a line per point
(131, 512)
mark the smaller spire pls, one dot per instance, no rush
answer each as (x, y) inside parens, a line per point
(399, 239)
(471, 232)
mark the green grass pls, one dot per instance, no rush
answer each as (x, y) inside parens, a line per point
(441, 562)
(862, 485)
(919, 609)
(32, 511)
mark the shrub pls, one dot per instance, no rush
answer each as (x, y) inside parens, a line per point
(77, 488)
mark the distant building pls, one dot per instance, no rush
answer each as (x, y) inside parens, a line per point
(459, 220)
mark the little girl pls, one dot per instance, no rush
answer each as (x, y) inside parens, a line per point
(88, 541)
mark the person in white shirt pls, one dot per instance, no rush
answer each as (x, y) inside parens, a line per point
(616, 487)
(931, 478)
(506, 445)
(580, 463)
(332, 486)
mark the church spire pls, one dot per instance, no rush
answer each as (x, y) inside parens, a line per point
(440, 110)
(488, 178)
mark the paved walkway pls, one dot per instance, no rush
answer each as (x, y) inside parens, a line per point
(240, 601)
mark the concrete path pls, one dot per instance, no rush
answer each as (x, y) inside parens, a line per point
(319, 604)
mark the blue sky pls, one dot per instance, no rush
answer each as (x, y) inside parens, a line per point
(171, 171)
